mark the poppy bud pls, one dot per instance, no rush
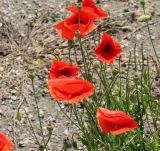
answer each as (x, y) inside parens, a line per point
(18, 116)
(144, 18)
(79, 6)
(95, 64)
(31, 76)
(115, 72)
(142, 2)
(136, 76)
(158, 124)
(50, 128)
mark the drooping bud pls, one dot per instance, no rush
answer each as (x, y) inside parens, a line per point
(144, 18)
(136, 76)
(96, 64)
(50, 128)
(115, 72)
(142, 2)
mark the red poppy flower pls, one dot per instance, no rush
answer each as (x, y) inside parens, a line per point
(89, 4)
(115, 122)
(68, 28)
(108, 50)
(61, 69)
(5, 143)
(70, 89)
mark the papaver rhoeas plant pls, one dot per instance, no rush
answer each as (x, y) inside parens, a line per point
(70, 89)
(83, 22)
(61, 69)
(108, 50)
(125, 87)
(90, 5)
(115, 122)
(5, 143)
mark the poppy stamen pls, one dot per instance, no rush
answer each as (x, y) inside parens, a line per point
(65, 72)
(107, 48)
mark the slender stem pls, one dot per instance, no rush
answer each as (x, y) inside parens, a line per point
(49, 137)
(32, 129)
(38, 112)
(120, 80)
(150, 37)
(127, 80)
(70, 46)
(75, 53)
(80, 42)
(67, 115)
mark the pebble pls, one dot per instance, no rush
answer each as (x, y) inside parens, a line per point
(66, 132)
(1, 112)
(22, 143)
(1, 69)
(13, 91)
(41, 113)
(14, 98)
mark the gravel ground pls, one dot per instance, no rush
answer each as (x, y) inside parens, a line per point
(26, 35)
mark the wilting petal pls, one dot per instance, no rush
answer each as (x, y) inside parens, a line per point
(115, 122)
(71, 90)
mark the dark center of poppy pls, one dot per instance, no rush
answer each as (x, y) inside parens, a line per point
(107, 48)
(76, 22)
(65, 72)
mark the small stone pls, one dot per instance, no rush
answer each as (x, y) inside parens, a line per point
(1, 112)
(138, 36)
(152, 37)
(1, 69)
(14, 98)
(13, 91)
(158, 124)
(30, 50)
(22, 144)
(66, 132)
(41, 113)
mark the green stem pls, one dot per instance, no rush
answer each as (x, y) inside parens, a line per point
(49, 137)
(150, 37)
(32, 129)
(67, 115)
(70, 46)
(38, 112)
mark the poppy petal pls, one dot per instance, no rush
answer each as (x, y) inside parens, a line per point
(67, 28)
(71, 90)
(115, 122)
(61, 69)
(108, 50)
(5, 143)
(98, 11)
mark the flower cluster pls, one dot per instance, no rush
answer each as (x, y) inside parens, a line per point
(81, 20)
(64, 84)
(5, 143)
